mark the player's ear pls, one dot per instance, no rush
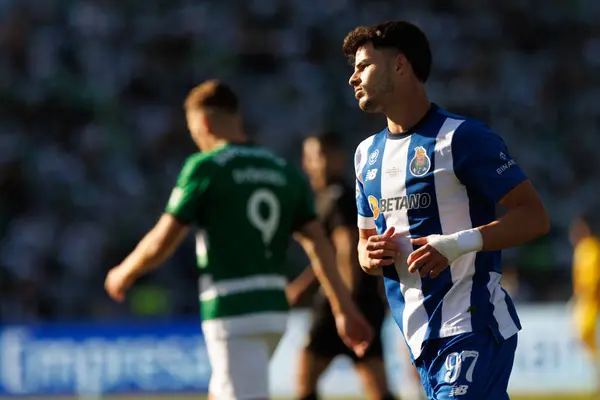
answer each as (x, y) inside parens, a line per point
(400, 63)
(205, 121)
(193, 121)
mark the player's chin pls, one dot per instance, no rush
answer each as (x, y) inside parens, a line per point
(367, 105)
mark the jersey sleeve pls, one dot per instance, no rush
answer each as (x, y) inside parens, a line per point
(482, 161)
(194, 179)
(304, 211)
(365, 213)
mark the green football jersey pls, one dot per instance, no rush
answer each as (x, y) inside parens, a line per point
(245, 202)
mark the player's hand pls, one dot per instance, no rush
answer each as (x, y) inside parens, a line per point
(380, 251)
(354, 330)
(117, 282)
(426, 260)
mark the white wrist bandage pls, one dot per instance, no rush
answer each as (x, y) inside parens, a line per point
(457, 244)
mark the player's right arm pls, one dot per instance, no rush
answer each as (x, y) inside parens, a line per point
(309, 233)
(162, 240)
(344, 236)
(321, 254)
(374, 251)
(351, 325)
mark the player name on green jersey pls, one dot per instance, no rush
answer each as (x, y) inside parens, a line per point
(245, 202)
(259, 175)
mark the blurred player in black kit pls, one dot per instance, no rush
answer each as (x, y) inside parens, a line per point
(323, 161)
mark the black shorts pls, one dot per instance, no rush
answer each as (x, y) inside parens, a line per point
(323, 339)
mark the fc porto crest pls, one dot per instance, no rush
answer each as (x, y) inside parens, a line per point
(420, 163)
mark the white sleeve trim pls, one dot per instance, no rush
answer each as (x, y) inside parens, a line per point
(366, 222)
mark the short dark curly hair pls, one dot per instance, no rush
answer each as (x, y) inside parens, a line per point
(403, 36)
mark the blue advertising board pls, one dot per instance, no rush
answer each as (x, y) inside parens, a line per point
(88, 359)
(59, 359)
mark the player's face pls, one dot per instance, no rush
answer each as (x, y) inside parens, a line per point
(372, 79)
(313, 160)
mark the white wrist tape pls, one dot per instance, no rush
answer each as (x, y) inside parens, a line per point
(459, 243)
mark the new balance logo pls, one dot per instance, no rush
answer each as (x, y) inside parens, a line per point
(371, 174)
(459, 390)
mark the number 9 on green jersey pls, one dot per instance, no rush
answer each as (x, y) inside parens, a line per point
(245, 203)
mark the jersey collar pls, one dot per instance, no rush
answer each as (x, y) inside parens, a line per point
(432, 110)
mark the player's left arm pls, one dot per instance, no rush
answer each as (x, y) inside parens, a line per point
(526, 219)
(482, 163)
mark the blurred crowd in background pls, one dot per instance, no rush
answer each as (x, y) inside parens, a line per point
(92, 130)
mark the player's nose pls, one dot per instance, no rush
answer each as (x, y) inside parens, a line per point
(354, 80)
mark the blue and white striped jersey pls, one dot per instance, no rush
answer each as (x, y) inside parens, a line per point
(444, 176)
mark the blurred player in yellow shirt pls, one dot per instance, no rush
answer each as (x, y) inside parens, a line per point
(586, 287)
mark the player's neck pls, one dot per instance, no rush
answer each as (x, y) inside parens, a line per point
(216, 142)
(407, 113)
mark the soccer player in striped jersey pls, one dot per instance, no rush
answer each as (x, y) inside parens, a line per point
(247, 202)
(427, 189)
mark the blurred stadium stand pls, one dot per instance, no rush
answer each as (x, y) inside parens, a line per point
(92, 131)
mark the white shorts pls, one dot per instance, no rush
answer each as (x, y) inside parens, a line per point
(240, 365)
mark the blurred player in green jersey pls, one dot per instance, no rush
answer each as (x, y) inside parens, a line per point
(245, 203)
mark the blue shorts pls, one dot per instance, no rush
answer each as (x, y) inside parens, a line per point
(469, 366)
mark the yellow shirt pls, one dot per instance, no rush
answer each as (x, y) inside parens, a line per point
(586, 271)
(586, 288)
